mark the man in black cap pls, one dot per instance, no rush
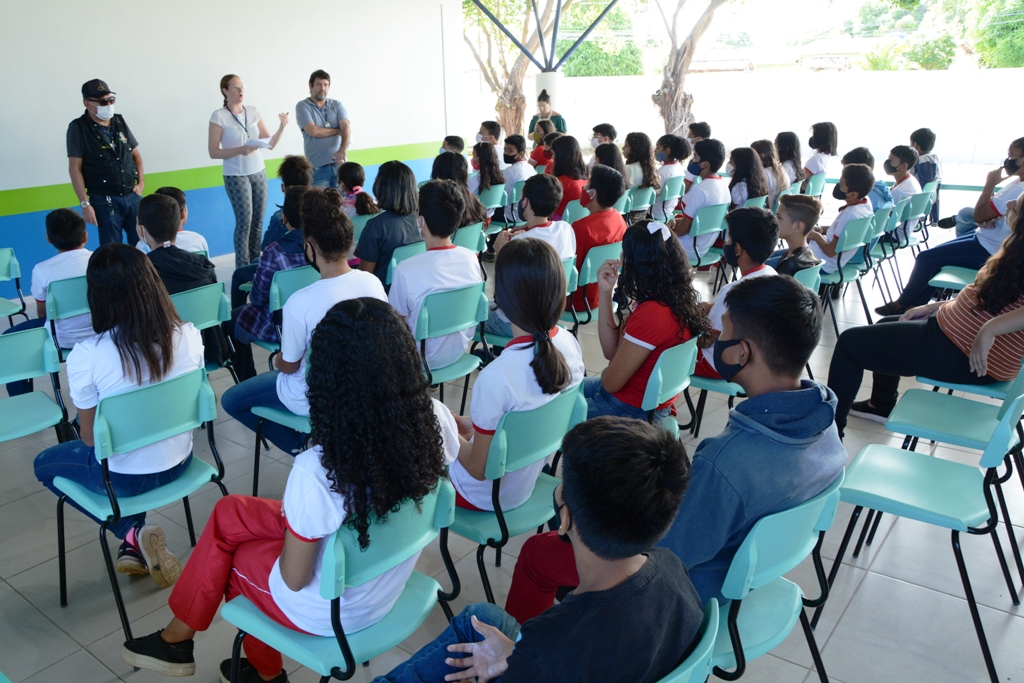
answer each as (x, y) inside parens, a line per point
(105, 165)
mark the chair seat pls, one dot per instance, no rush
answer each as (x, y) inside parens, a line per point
(995, 390)
(299, 423)
(321, 653)
(98, 505)
(460, 368)
(26, 414)
(916, 486)
(268, 346)
(713, 254)
(953, 277)
(849, 273)
(947, 419)
(670, 425)
(245, 287)
(766, 618)
(913, 241)
(495, 228)
(482, 526)
(8, 307)
(719, 386)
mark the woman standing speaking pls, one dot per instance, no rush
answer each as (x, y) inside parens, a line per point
(237, 133)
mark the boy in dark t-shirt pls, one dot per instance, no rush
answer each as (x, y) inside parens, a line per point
(797, 216)
(635, 615)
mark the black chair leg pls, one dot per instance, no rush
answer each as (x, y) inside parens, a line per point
(188, 520)
(465, 392)
(256, 464)
(839, 559)
(975, 614)
(813, 645)
(864, 301)
(113, 582)
(236, 656)
(863, 533)
(699, 415)
(61, 560)
(483, 573)
(874, 528)
(1014, 548)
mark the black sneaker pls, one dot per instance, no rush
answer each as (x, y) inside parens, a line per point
(869, 412)
(891, 308)
(153, 653)
(947, 223)
(246, 673)
(488, 256)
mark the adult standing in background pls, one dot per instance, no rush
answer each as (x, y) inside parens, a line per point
(236, 130)
(545, 113)
(325, 130)
(105, 165)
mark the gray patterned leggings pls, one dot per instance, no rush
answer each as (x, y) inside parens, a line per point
(248, 197)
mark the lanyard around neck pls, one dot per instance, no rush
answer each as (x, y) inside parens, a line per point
(245, 126)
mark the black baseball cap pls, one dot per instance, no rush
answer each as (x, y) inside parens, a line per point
(95, 89)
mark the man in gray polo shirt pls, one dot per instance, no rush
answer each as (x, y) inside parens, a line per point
(325, 130)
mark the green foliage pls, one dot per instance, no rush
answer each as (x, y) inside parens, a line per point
(998, 32)
(593, 59)
(907, 23)
(741, 39)
(935, 54)
(886, 57)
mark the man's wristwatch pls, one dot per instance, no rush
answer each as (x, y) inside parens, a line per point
(85, 204)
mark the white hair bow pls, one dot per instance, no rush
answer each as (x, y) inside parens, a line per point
(654, 227)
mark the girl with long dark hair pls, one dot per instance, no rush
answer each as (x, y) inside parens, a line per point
(452, 166)
(641, 171)
(747, 179)
(775, 174)
(570, 171)
(608, 154)
(787, 145)
(824, 141)
(396, 193)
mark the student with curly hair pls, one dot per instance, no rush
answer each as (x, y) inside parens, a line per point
(658, 309)
(641, 170)
(377, 445)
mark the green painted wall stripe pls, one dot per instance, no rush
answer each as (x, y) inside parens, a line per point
(49, 197)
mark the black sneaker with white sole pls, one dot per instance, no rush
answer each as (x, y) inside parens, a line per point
(246, 673)
(154, 653)
(869, 412)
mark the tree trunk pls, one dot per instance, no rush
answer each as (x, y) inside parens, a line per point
(511, 104)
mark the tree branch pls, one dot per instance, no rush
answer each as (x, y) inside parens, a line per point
(484, 68)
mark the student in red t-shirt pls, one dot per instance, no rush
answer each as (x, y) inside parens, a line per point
(569, 169)
(537, 156)
(548, 157)
(603, 226)
(658, 309)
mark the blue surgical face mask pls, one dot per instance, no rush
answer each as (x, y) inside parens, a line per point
(660, 156)
(693, 168)
(726, 370)
(441, 150)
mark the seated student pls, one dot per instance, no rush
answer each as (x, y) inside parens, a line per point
(928, 166)
(139, 340)
(570, 171)
(549, 155)
(443, 267)
(253, 321)
(537, 156)
(854, 186)
(452, 143)
(901, 160)
(608, 154)
(976, 338)
(327, 231)
(452, 166)
(746, 176)
(541, 361)
(368, 459)
(180, 270)
(354, 200)
(779, 448)
(658, 309)
(488, 170)
(490, 132)
(880, 197)
(972, 250)
(65, 231)
(695, 132)
(712, 190)
(395, 190)
(641, 169)
(541, 195)
(187, 240)
(797, 216)
(824, 141)
(787, 145)
(670, 150)
(517, 171)
(603, 225)
(602, 134)
(774, 173)
(621, 486)
(752, 234)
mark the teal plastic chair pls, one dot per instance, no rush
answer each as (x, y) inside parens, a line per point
(815, 185)
(282, 286)
(695, 668)
(521, 439)
(672, 189)
(66, 299)
(29, 354)
(444, 313)
(471, 237)
(641, 198)
(10, 269)
(853, 237)
(571, 280)
(402, 253)
(932, 189)
(809, 277)
(756, 202)
(707, 220)
(513, 201)
(623, 205)
(792, 189)
(705, 384)
(299, 423)
(669, 378)
(131, 420)
(540, 169)
(494, 197)
(879, 250)
(574, 211)
(205, 307)
(764, 606)
(403, 534)
(952, 279)
(593, 261)
(359, 223)
(918, 209)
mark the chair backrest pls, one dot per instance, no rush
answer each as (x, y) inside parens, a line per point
(400, 254)
(779, 542)
(540, 169)
(809, 277)
(672, 189)
(204, 307)
(145, 415)
(1005, 432)
(523, 438)
(897, 214)
(67, 298)
(622, 206)
(593, 260)
(854, 234)
(878, 223)
(203, 253)
(517, 192)
(287, 282)
(709, 219)
(815, 185)
(574, 211)
(494, 197)
(443, 313)
(695, 668)
(641, 198)
(916, 208)
(671, 374)
(27, 354)
(792, 189)
(572, 276)
(930, 187)
(358, 223)
(392, 541)
(756, 202)
(471, 237)
(9, 267)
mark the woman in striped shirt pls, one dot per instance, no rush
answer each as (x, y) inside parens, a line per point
(976, 338)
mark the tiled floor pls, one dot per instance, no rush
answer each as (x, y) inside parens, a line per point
(896, 613)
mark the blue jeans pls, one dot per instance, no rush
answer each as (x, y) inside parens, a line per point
(241, 275)
(326, 176)
(600, 403)
(965, 252)
(496, 326)
(23, 386)
(261, 390)
(965, 224)
(428, 666)
(115, 215)
(75, 461)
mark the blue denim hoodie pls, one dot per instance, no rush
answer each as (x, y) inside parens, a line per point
(777, 450)
(880, 197)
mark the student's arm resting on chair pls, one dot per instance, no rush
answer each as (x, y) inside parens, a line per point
(298, 559)
(827, 247)
(1001, 324)
(86, 418)
(41, 309)
(681, 225)
(473, 454)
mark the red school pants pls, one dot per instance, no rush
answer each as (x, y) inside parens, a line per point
(545, 563)
(236, 551)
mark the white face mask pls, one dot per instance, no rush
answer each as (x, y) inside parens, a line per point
(479, 137)
(729, 169)
(594, 142)
(105, 113)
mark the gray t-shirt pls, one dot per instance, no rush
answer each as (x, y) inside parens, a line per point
(320, 150)
(384, 233)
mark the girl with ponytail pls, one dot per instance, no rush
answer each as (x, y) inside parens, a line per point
(540, 362)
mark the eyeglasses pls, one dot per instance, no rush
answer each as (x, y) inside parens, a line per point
(104, 102)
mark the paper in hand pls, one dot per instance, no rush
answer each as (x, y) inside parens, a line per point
(263, 143)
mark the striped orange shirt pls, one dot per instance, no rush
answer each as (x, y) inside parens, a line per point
(960, 320)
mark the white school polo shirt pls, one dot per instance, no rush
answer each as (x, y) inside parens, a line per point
(719, 307)
(992, 238)
(790, 170)
(521, 170)
(739, 194)
(509, 385)
(907, 188)
(236, 130)
(861, 209)
(66, 264)
(313, 512)
(187, 240)
(668, 170)
(302, 312)
(437, 270)
(95, 372)
(818, 163)
(711, 191)
(558, 234)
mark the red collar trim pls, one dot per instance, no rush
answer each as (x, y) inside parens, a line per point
(901, 182)
(444, 248)
(669, 163)
(714, 177)
(863, 201)
(540, 225)
(529, 339)
(753, 270)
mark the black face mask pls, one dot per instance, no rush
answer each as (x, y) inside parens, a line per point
(812, 142)
(729, 252)
(310, 261)
(510, 159)
(521, 209)
(888, 167)
(726, 370)
(558, 518)
(1011, 166)
(838, 193)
